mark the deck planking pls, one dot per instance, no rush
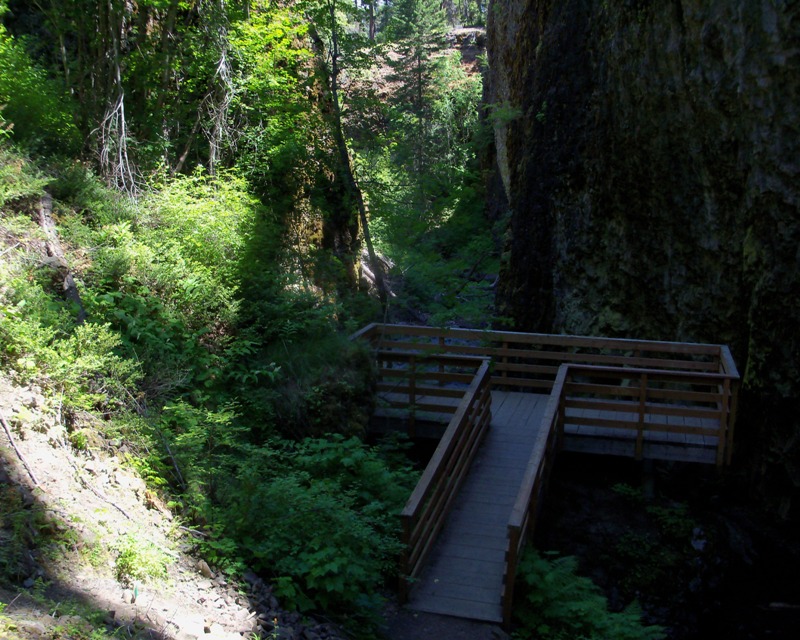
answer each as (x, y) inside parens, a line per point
(464, 574)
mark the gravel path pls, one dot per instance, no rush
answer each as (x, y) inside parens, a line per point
(403, 624)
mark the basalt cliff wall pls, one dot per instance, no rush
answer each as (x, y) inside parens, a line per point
(649, 156)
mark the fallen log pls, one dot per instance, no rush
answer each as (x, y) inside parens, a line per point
(56, 254)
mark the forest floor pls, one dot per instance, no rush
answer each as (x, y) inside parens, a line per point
(87, 548)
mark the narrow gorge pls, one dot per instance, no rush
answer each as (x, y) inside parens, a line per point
(648, 155)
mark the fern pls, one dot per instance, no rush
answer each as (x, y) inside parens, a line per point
(559, 604)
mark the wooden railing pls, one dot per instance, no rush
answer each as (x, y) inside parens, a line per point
(531, 360)
(527, 505)
(423, 385)
(650, 405)
(647, 403)
(430, 503)
(642, 388)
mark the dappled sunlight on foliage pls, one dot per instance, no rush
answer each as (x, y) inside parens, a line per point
(208, 181)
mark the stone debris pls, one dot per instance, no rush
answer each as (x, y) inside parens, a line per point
(91, 497)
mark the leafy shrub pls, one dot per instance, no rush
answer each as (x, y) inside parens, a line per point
(14, 534)
(138, 560)
(209, 218)
(34, 104)
(38, 345)
(554, 602)
(18, 178)
(321, 516)
(325, 386)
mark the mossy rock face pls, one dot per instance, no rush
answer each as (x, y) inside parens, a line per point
(656, 196)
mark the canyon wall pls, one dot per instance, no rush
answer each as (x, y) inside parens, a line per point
(649, 153)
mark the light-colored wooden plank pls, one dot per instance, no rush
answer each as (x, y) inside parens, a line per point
(468, 609)
(480, 514)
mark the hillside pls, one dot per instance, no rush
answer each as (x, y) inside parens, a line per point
(98, 553)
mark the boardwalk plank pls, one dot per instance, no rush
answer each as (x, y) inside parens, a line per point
(473, 592)
(470, 554)
(469, 609)
(464, 573)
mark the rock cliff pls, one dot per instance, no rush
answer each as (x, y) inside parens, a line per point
(649, 153)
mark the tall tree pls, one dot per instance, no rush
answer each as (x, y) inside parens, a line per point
(418, 30)
(331, 54)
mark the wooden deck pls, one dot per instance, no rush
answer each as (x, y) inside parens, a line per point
(667, 445)
(507, 402)
(464, 573)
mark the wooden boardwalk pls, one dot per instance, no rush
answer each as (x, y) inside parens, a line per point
(469, 518)
(464, 574)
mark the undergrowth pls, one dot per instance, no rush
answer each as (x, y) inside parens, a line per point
(237, 396)
(554, 602)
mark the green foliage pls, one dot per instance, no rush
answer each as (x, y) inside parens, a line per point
(321, 516)
(325, 385)
(208, 219)
(275, 119)
(138, 560)
(39, 344)
(204, 446)
(422, 180)
(674, 521)
(634, 495)
(19, 180)
(658, 560)
(554, 602)
(36, 113)
(15, 534)
(5, 127)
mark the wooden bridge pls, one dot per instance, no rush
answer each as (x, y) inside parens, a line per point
(505, 403)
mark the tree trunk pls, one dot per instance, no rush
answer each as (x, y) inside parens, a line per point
(345, 168)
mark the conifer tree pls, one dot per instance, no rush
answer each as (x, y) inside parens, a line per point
(418, 27)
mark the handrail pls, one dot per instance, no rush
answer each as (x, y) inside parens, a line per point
(531, 361)
(526, 506)
(431, 500)
(364, 332)
(423, 385)
(700, 396)
(448, 358)
(487, 335)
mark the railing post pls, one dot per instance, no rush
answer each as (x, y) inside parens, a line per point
(642, 410)
(561, 410)
(403, 586)
(724, 412)
(512, 559)
(412, 396)
(734, 390)
(441, 364)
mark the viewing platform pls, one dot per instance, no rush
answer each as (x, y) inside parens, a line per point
(505, 403)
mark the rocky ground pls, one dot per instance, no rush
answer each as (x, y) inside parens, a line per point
(88, 551)
(88, 547)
